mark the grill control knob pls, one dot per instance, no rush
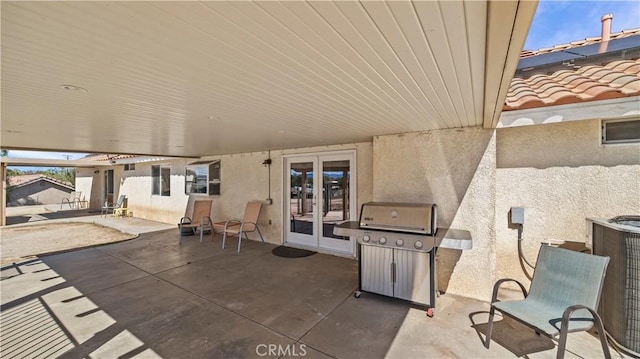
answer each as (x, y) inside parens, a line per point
(382, 240)
(399, 243)
(366, 238)
(418, 245)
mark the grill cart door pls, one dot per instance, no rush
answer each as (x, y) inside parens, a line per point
(377, 269)
(413, 276)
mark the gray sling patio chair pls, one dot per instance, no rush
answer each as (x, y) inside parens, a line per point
(237, 228)
(563, 297)
(112, 206)
(200, 219)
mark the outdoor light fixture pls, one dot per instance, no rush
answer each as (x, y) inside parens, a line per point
(267, 163)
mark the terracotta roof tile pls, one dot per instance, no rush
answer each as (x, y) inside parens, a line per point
(106, 157)
(614, 64)
(562, 98)
(633, 69)
(620, 78)
(20, 179)
(632, 88)
(23, 180)
(525, 102)
(547, 86)
(616, 79)
(564, 74)
(575, 82)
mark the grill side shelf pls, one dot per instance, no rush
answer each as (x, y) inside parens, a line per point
(454, 238)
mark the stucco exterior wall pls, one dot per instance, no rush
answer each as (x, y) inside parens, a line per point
(455, 169)
(40, 192)
(137, 186)
(244, 178)
(86, 186)
(560, 174)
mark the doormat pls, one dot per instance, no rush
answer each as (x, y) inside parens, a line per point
(288, 252)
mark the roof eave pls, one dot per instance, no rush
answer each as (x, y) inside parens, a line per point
(502, 56)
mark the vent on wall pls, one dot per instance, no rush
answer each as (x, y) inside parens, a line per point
(618, 131)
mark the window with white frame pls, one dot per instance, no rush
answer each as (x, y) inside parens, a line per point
(202, 177)
(161, 180)
(619, 130)
(130, 167)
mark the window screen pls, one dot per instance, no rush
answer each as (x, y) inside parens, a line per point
(621, 131)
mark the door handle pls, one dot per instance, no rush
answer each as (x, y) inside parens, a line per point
(393, 272)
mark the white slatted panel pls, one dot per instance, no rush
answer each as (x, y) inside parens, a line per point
(192, 78)
(413, 276)
(376, 272)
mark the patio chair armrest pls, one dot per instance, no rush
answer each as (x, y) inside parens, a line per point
(208, 220)
(569, 311)
(231, 221)
(496, 287)
(247, 222)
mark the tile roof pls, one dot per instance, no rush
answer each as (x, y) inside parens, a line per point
(107, 157)
(588, 83)
(17, 180)
(23, 180)
(579, 43)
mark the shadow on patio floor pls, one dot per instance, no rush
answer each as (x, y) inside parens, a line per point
(43, 215)
(150, 297)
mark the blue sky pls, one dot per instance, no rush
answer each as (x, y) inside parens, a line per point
(42, 155)
(559, 22)
(46, 155)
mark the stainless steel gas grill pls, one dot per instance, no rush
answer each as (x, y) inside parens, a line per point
(397, 245)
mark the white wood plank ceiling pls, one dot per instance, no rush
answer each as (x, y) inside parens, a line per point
(205, 78)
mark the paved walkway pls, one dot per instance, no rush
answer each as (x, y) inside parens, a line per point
(31, 215)
(45, 229)
(150, 297)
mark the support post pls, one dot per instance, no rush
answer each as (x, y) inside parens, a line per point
(3, 197)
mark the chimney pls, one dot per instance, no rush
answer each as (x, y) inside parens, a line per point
(606, 27)
(606, 33)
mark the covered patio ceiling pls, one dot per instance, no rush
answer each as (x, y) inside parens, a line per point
(206, 78)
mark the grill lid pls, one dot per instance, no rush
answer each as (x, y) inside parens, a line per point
(400, 217)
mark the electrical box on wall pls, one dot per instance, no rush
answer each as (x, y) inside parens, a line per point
(516, 215)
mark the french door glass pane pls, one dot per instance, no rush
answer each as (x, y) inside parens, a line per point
(301, 198)
(335, 196)
(108, 186)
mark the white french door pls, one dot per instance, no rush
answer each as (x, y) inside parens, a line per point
(319, 193)
(108, 187)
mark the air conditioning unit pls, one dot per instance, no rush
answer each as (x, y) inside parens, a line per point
(619, 239)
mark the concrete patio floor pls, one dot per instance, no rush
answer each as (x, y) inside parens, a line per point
(150, 297)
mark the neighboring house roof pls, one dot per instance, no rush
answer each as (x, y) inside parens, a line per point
(579, 43)
(615, 79)
(107, 157)
(24, 180)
